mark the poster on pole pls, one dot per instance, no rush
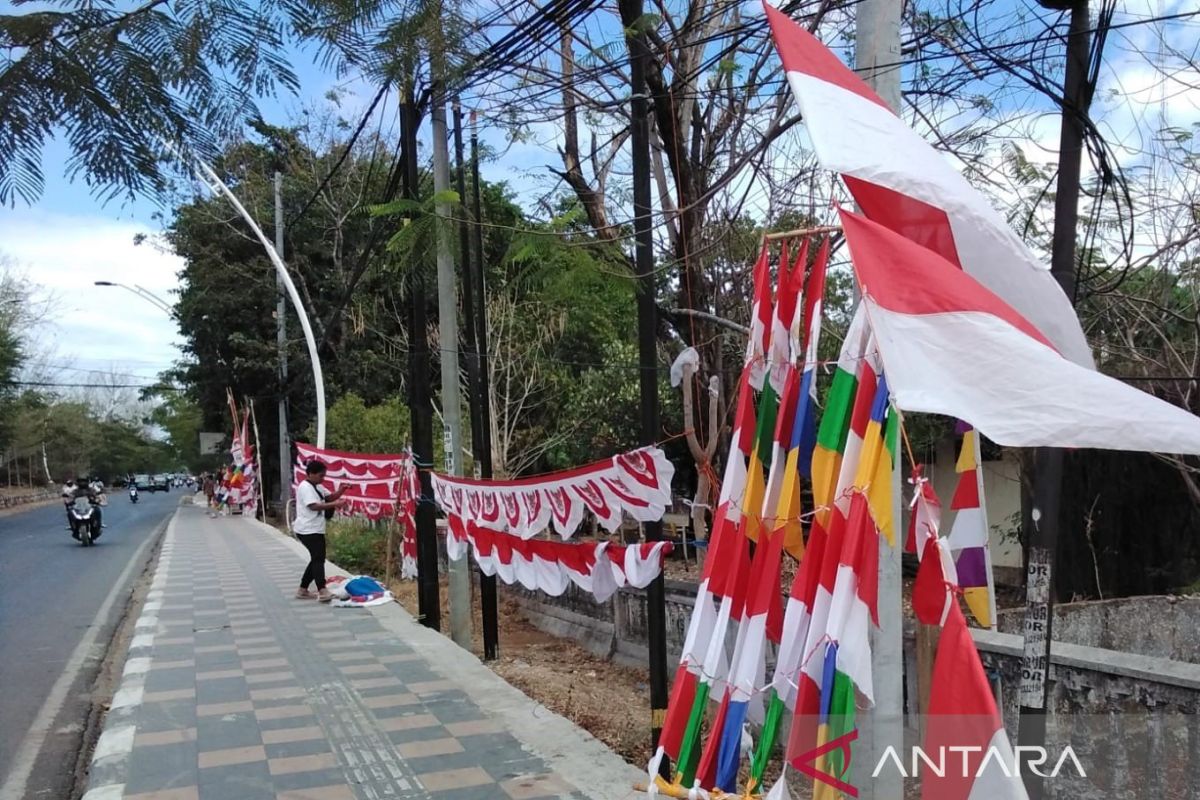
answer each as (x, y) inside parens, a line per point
(210, 443)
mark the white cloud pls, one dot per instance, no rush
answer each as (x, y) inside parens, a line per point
(92, 327)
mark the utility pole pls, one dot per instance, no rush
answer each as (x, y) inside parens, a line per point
(1048, 462)
(285, 448)
(489, 607)
(459, 577)
(639, 128)
(481, 440)
(877, 59)
(420, 405)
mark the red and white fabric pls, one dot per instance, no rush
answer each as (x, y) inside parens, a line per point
(378, 486)
(372, 482)
(950, 346)
(599, 569)
(900, 181)
(637, 483)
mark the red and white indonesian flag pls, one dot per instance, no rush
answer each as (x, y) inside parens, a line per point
(900, 181)
(950, 346)
(963, 719)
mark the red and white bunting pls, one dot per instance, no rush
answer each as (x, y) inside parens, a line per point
(637, 483)
(547, 566)
(372, 482)
(378, 486)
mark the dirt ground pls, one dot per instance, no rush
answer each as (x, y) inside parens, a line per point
(607, 700)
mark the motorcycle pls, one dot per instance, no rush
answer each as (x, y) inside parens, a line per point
(133, 494)
(85, 522)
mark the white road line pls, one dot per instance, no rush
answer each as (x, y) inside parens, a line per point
(22, 766)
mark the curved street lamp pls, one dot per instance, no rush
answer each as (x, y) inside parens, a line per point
(145, 294)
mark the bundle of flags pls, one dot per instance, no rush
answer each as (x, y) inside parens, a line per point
(760, 503)
(966, 322)
(242, 475)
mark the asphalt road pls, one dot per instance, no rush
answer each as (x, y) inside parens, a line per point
(52, 593)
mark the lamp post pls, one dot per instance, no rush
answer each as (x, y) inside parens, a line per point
(145, 294)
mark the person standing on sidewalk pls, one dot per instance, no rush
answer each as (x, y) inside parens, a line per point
(312, 503)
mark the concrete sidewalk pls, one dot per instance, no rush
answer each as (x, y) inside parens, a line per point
(233, 690)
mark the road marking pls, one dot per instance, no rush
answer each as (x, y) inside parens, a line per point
(18, 777)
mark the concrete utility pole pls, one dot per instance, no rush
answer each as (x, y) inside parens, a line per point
(877, 59)
(285, 447)
(639, 139)
(460, 577)
(1048, 462)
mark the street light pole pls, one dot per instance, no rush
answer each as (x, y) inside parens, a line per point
(218, 185)
(285, 449)
(145, 294)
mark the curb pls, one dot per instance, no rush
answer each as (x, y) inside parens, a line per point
(109, 768)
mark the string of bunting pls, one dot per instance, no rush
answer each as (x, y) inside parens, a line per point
(499, 520)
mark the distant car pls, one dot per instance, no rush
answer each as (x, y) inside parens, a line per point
(142, 482)
(159, 483)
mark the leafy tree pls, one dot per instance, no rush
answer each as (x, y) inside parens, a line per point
(354, 426)
(182, 419)
(116, 80)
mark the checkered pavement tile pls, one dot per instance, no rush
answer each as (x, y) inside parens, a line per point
(252, 694)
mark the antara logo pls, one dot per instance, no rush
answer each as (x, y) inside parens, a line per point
(967, 761)
(970, 765)
(842, 745)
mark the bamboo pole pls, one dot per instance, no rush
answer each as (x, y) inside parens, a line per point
(792, 234)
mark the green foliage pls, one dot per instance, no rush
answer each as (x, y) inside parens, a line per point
(357, 546)
(79, 442)
(115, 80)
(182, 419)
(350, 424)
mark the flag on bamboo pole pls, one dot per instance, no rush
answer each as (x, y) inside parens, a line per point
(835, 427)
(900, 181)
(760, 320)
(814, 294)
(704, 642)
(717, 670)
(963, 718)
(763, 614)
(950, 346)
(703, 659)
(969, 534)
(936, 568)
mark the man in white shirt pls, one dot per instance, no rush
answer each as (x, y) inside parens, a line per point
(312, 502)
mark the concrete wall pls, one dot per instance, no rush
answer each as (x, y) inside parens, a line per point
(1157, 626)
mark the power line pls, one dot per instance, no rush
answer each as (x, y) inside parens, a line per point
(62, 385)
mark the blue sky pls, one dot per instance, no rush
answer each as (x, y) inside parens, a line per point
(69, 239)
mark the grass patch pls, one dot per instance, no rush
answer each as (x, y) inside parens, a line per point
(357, 546)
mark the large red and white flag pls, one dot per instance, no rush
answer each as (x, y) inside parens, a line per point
(963, 718)
(951, 346)
(900, 181)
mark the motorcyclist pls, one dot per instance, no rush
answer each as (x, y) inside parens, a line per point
(98, 497)
(68, 496)
(72, 491)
